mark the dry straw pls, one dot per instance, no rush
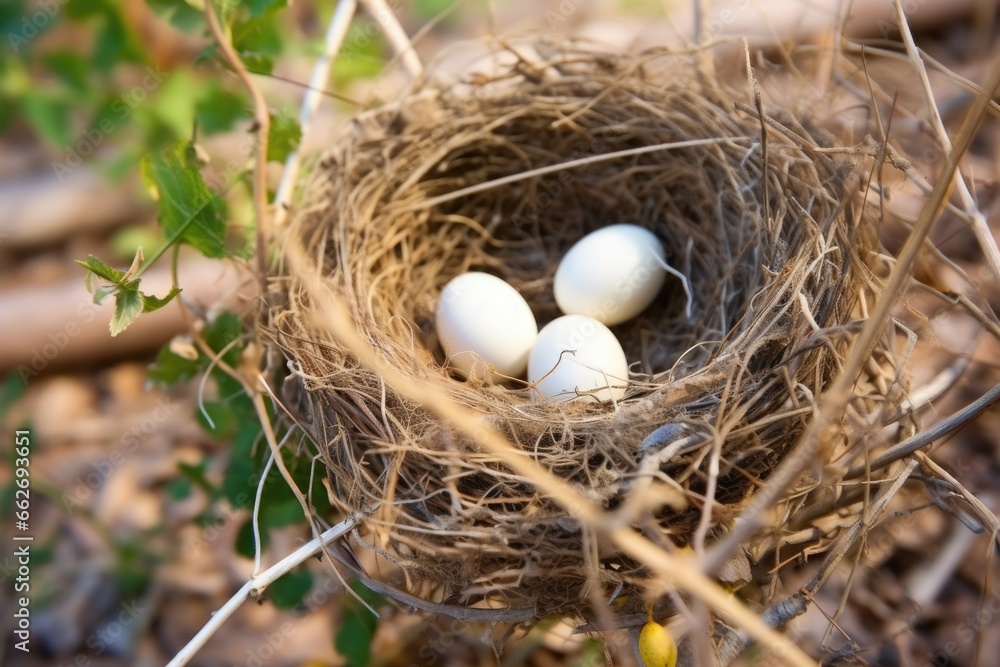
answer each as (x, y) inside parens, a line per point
(779, 261)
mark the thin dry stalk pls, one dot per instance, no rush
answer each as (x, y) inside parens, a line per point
(340, 22)
(833, 401)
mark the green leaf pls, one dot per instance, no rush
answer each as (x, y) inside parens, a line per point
(238, 485)
(196, 475)
(179, 489)
(361, 57)
(11, 390)
(128, 306)
(221, 332)
(222, 417)
(278, 515)
(151, 303)
(592, 654)
(426, 10)
(79, 10)
(174, 103)
(170, 368)
(356, 67)
(48, 116)
(258, 7)
(179, 13)
(283, 137)
(187, 209)
(99, 268)
(12, 15)
(124, 241)
(218, 110)
(290, 589)
(257, 63)
(258, 39)
(245, 541)
(97, 271)
(260, 34)
(114, 43)
(354, 639)
(71, 69)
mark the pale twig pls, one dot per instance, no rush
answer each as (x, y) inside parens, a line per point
(256, 586)
(669, 571)
(394, 32)
(983, 513)
(979, 225)
(215, 358)
(835, 399)
(335, 34)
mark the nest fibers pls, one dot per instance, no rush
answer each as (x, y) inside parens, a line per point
(503, 175)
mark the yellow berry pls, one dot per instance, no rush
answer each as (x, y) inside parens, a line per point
(656, 646)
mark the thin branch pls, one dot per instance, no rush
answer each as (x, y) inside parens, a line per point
(394, 32)
(256, 586)
(924, 438)
(255, 517)
(262, 122)
(834, 400)
(335, 34)
(979, 225)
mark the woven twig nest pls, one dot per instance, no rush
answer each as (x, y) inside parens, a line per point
(779, 264)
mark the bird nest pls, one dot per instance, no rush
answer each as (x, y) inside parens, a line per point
(775, 254)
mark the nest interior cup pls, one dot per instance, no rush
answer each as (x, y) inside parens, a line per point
(407, 198)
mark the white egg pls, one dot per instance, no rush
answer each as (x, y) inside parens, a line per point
(611, 274)
(482, 320)
(576, 354)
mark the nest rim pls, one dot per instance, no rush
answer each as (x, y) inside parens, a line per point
(814, 263)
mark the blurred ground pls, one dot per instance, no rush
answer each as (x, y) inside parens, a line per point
(125, 570)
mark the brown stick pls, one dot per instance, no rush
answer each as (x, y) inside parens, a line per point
(262, 121)
(54, 327)
(42, 209)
